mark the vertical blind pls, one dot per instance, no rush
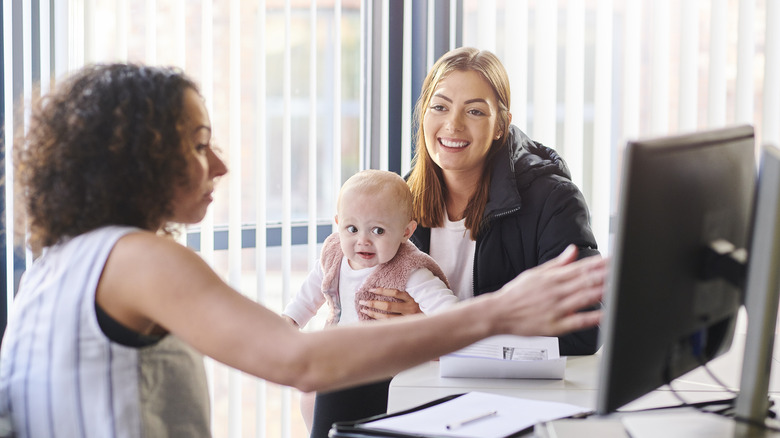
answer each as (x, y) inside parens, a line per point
(587, 76)
(291, 89)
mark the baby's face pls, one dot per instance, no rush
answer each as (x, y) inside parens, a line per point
(371, 228)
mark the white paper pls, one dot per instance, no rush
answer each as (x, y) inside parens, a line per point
(507, 356)
(679, 425)
(512, 415)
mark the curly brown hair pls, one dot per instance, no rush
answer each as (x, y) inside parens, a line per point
(104, 148)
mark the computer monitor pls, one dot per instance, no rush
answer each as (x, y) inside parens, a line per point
(675, 285)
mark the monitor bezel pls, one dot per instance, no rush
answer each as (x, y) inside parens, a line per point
(607, 400)
(762, 294)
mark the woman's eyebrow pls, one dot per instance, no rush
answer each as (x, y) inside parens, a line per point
(475, 100)
(197, 132)
(441, 96)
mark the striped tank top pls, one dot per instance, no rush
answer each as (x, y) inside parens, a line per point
(60, 376)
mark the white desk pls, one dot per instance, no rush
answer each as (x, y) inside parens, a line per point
(423, 384)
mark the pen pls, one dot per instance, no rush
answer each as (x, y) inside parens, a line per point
(460, 423)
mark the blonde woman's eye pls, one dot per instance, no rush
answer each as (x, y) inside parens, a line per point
(379, 231)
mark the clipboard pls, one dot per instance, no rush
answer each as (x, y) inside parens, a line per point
(359, 428)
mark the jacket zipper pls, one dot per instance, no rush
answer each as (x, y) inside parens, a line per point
(476, 249)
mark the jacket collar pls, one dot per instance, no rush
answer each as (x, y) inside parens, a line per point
(520, 161)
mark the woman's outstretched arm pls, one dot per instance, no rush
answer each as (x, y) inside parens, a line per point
(151, 281)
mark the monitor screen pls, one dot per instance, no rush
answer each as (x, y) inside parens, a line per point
(665, 311)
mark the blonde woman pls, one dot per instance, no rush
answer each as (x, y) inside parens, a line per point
(489, 202)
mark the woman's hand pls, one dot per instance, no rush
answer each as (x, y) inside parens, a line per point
(404, 305)
(548, 300)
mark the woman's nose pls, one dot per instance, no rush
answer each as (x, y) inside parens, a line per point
(217, 167)
(454, 122)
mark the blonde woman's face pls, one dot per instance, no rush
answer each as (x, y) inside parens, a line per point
(460, 122)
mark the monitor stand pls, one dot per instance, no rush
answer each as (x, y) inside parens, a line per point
(761, 293)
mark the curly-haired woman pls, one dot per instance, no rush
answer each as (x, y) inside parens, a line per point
(110, 322)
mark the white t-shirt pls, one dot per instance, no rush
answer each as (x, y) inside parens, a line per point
(349, 282)
(453, 250)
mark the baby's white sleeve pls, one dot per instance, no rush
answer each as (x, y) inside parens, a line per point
(429, 291)
(305, 304)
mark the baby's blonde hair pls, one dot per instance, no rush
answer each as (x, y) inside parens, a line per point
(382, 183)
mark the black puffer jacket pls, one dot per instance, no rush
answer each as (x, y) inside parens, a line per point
(533, 212)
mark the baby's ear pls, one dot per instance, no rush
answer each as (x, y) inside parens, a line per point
(336, 218)
(410, 227)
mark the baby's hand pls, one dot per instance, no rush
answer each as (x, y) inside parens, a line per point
(290, 320)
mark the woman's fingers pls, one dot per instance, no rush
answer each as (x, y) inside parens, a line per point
(403, 304)
(579, 321)
(576, 302)
(581, 285)
(378, 315)
(568, 255)
(575, 277)
(548, 300)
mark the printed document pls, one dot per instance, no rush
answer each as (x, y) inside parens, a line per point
(507, 356)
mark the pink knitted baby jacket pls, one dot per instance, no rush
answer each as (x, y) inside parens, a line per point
(391, 275)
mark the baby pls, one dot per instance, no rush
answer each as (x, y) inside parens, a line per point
(370, 250)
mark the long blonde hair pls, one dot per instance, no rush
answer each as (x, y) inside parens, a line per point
(426, 180)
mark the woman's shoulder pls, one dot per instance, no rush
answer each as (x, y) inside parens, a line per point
(532, 160)
(139, 255)
(550, 189)
(148, 244)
